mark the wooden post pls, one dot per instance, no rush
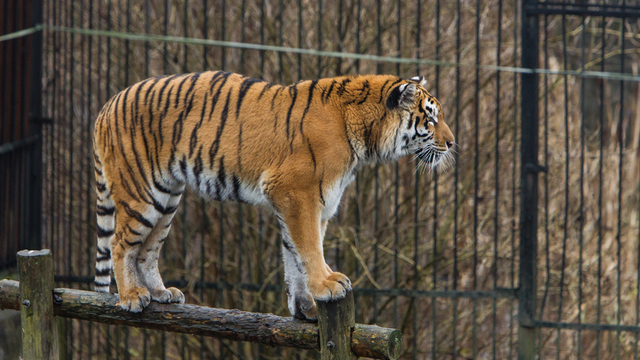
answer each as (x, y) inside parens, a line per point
(336, 321)
(39, 328)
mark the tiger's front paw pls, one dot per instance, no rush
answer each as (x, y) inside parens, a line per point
(333, 287)
(135, 299)
(169, 295)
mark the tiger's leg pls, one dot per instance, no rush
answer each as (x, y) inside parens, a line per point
(323, 232)
(299, 300)
(301, 216)
(148, 258)
(134, 223)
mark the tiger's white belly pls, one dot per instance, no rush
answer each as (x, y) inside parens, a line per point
(333, 194)
(213, 185)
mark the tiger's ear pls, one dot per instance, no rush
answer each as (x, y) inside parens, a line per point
(420, 80)
(401, 96)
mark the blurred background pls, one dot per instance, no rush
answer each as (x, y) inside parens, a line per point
(540, 212)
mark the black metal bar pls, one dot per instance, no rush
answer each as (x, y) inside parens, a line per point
(376, 174)
(35, 112)
(621, 141)
(71, 165)
(319, 58)
(223, 36)
(146, 55)
(416, 208)
(11, 147)
(396, 187)
(600, 165)
(546, 179)
(262, 38)
(581, 211)
(529, 188)
(358, 26)
(205, 35)
(566, 184)
(203, 211)
(454, 277)
(127, 43)
(165, 57)
(496, 227)
(635, 355)
(514, 175)
(434, 255)
(185, 33)
(608, 10)
(474, 315)
(107, 95)
(70, 113)
(587, 326)
(243, 31)
(280, 39)
(379, 36)
(500, 293)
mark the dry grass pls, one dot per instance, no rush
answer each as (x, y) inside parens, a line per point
(363, 240)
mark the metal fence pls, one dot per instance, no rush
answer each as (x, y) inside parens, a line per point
(527, 247)
(588, 209)
(20, 131)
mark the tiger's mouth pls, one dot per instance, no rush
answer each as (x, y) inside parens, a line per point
(432, 157)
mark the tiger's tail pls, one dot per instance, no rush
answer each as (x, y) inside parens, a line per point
(105, 211)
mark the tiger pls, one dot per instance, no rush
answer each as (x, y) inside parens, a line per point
(290, 149)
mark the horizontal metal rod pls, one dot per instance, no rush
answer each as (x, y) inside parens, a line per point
(19, 33)
(585, 326)
(336, 54)
(366, 340)
(221, 285)
(541, 9)
(620, 6)
(18, 144)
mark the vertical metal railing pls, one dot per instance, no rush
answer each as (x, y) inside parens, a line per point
(20, 130)
(529, 168)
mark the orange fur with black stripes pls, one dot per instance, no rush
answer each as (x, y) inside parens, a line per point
(292, 149)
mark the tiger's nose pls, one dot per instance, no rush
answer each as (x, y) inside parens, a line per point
(449, 144)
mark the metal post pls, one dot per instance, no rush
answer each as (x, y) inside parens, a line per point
(529, 186)
(39, 328)
(34, 240)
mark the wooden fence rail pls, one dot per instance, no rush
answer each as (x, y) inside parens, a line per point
(335, 337)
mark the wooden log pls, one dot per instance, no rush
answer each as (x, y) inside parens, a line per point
(268, 329)
(39, 327)
(336, 320)
(378, 342)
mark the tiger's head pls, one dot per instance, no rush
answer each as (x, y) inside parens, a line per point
(419, 125)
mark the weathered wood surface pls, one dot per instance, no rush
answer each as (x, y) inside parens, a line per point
(376, 342)
(39, 327)
(336, 321)
(366, 340)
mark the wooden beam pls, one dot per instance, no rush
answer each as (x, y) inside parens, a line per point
(366, 340)
(35, 300)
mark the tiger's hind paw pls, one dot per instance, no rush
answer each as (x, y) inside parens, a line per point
(176, 295)
(135, 299)
(304, 307)
(167, 296)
